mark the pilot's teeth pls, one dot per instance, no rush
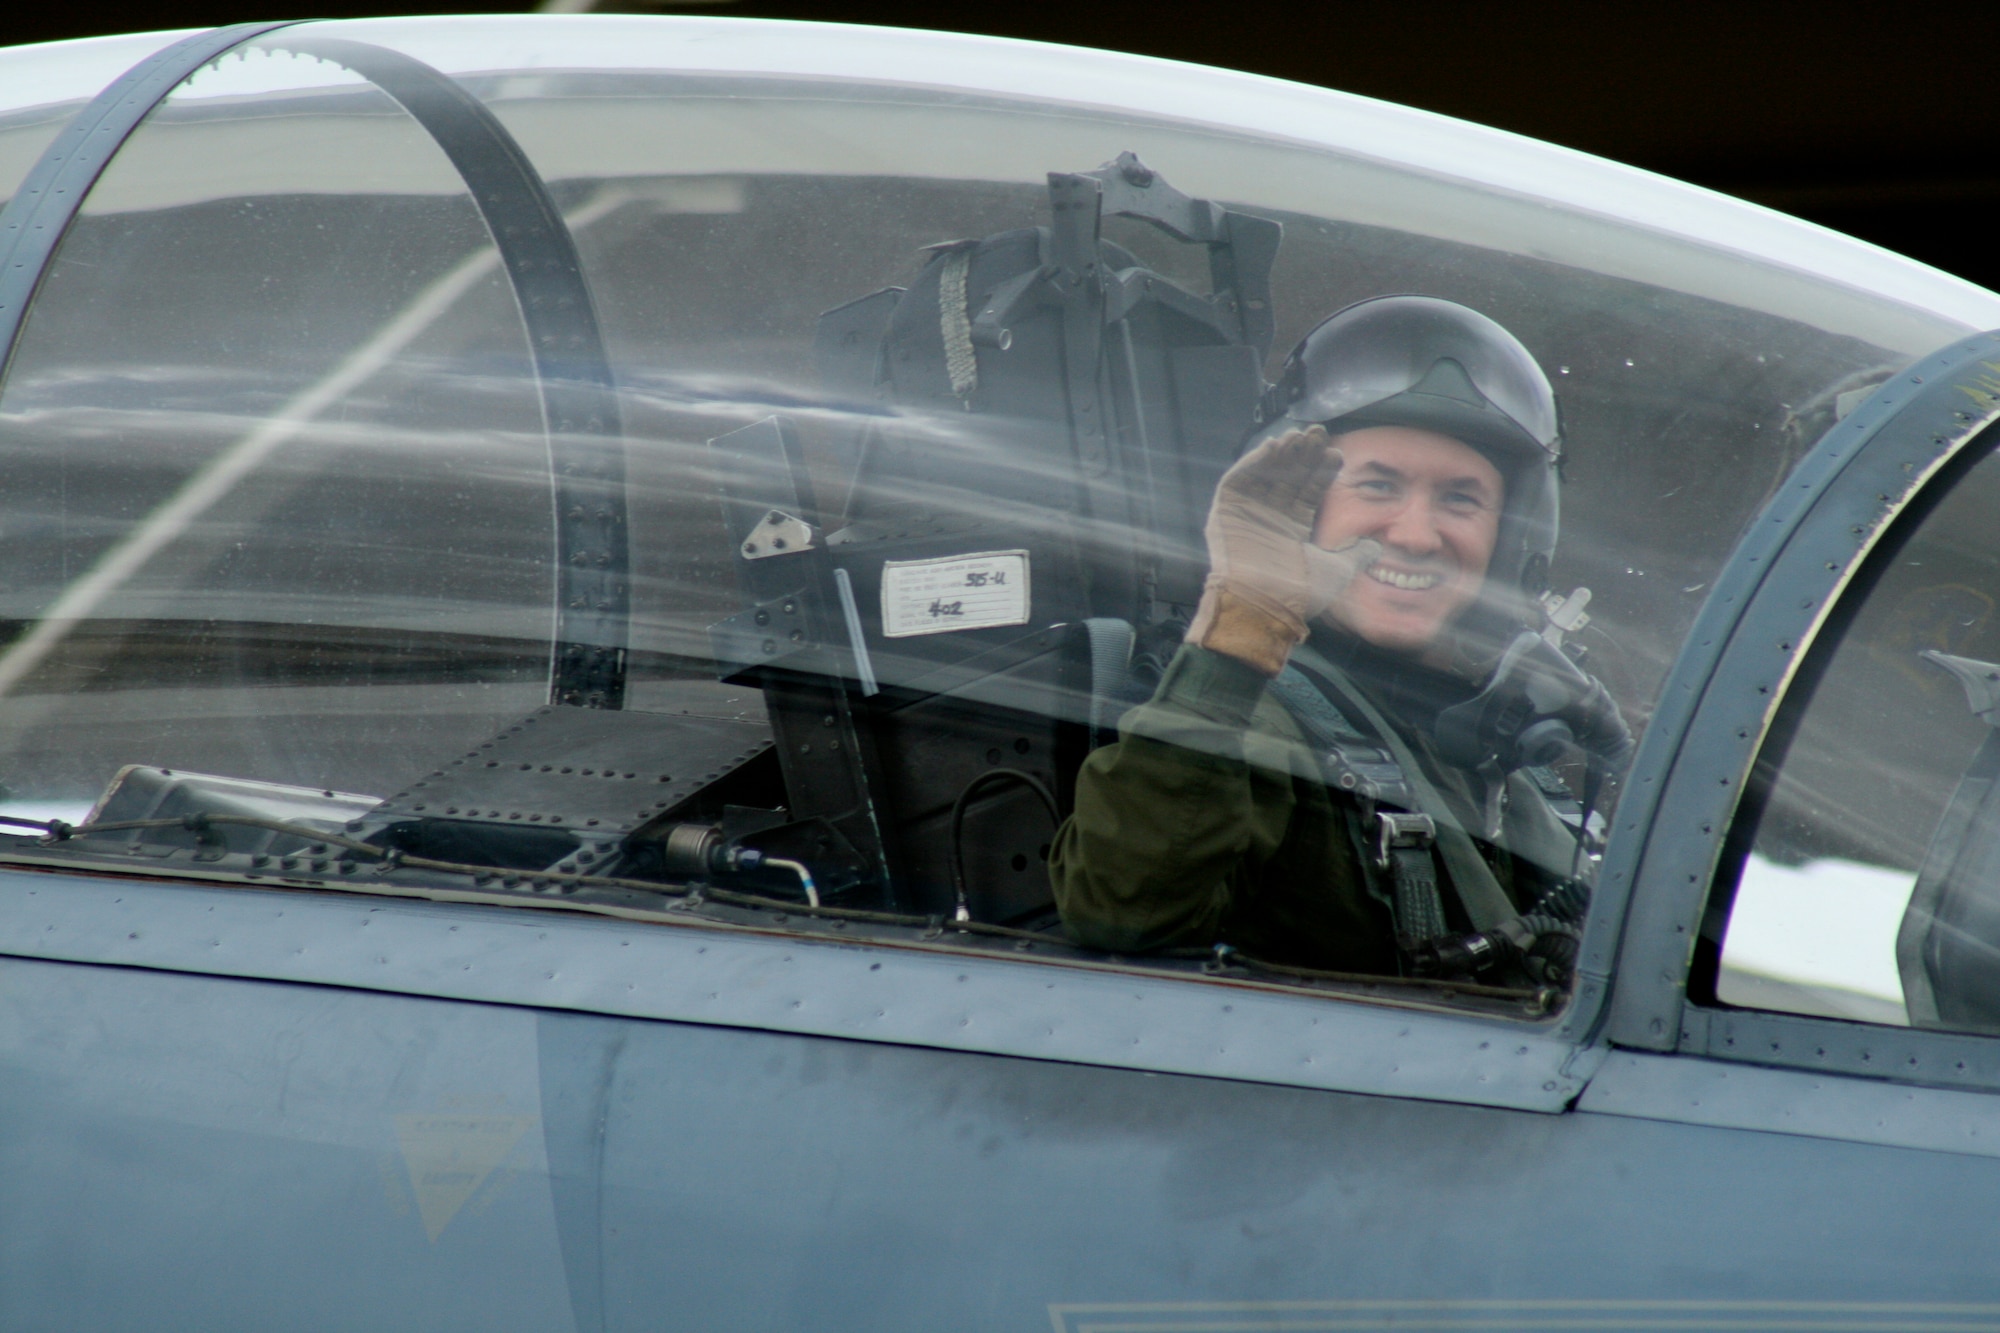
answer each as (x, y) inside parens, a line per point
(1395, 578)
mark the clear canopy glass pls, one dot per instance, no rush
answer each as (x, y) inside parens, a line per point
(286, 492)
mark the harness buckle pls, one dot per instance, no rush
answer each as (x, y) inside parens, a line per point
(1395, 830)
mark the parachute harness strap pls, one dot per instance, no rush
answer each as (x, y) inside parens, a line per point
(1403, 848)
(1404, 841)
(1472, 881)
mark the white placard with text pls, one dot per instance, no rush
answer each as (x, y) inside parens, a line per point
(957, 592)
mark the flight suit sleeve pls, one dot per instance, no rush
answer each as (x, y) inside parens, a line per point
(1173, 814)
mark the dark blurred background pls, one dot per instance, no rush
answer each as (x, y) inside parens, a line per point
(1880, 121)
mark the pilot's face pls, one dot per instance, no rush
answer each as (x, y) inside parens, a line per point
(1434, 504)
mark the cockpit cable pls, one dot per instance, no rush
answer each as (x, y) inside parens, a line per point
(963, 912)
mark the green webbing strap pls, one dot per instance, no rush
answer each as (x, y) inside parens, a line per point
(1486, 903)
(1413, 897)
(1308, 704)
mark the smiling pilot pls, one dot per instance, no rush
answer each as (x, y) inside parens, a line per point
(1309, 784)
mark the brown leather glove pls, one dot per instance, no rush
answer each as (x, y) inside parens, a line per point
(1266, 579)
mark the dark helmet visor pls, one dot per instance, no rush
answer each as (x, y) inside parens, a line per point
(1389, 345)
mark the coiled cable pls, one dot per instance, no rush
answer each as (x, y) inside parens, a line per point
(988, 778)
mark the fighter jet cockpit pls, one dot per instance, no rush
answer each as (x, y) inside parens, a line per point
(731, 482)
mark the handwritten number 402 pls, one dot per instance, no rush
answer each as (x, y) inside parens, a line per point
(975, 579)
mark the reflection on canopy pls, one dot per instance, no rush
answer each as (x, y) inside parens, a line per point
(922, 409)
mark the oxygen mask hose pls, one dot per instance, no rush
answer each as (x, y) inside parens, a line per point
(1546, 950)
(1536, 706)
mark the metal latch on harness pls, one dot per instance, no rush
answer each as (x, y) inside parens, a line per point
(1395, 831)
(1403, 848)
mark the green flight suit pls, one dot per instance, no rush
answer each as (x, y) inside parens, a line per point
(1210, 821)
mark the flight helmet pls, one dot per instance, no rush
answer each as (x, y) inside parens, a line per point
(1433, 364)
